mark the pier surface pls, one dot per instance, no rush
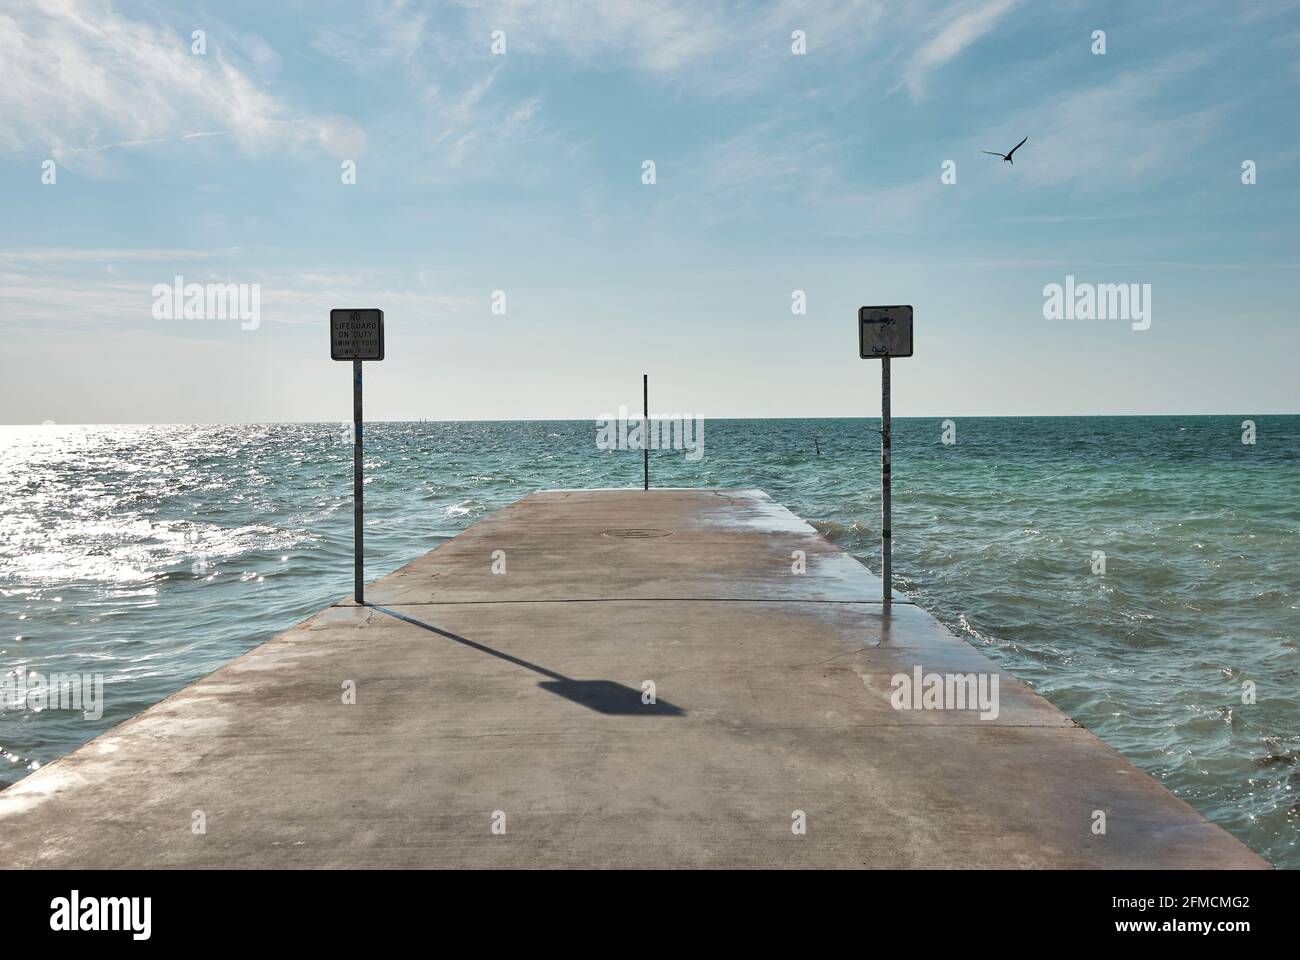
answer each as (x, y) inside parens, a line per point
(514, 699)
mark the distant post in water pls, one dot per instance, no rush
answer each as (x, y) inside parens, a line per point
(645, 427)
(885, 332)
(357, 335)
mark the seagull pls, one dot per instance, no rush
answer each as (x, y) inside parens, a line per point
(1006, 156)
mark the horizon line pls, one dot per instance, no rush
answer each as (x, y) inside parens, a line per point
(943, 416)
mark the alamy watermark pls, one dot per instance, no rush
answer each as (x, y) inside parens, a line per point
(21, 689)
(676, 431)
(209, 301)
(75, 913)
(1098, 301)
(946, 691)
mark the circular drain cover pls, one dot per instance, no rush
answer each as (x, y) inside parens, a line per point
(642, 533)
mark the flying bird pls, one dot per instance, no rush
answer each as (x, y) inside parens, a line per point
(1006, 156)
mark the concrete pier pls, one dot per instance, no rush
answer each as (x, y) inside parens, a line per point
(515, 700)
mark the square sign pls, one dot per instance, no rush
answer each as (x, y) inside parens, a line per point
(356, 334)
(884, 332)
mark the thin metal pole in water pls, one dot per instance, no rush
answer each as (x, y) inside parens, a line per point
(645, 426)
(886, 533)
(358, 487)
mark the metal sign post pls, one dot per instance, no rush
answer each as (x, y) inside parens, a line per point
(885, 332)
(645, 427)
(357, 335)
(886, 508)
(358, 491)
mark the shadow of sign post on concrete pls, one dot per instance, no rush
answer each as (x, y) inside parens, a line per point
(885, 332)
(357, 335)
(604, 696)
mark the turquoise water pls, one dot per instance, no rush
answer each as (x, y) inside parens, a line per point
(153, 554)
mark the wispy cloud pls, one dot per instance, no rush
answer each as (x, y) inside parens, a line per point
(448, 81)
(711, 49)
(764, 158)
(54, 289)
(78, 78)
(64, 152)
(1116, 132)
(93, 255)
(959, 34)
(661, 36)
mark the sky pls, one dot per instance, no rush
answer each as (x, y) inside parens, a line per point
(501, 217)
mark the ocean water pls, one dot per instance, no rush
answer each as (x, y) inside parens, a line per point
(153, 554)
